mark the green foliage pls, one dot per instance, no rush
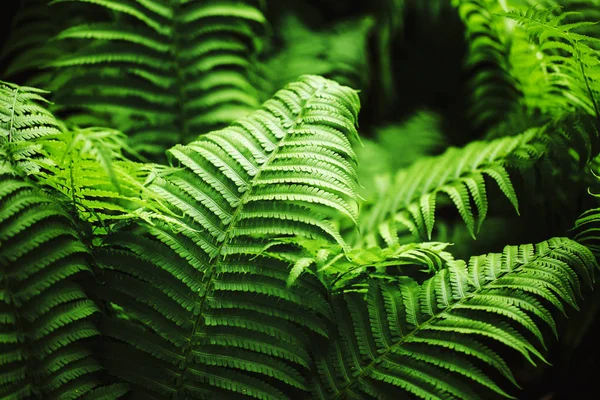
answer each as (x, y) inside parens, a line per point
(23, 120)
(492, 89)
(161, 72)
(339, 53)
(276, 255)
(46, 318)
(432, 340)
(566, 73)
(235, 189)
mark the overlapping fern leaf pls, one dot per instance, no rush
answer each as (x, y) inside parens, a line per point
(205, 313)
(440, 340)
(46, 319)
(163, 72)
(560, 71)
(86, 166)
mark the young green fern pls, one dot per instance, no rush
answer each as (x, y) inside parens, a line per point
(492, 90)
(431, 341)
(567, 68)
(208, 311)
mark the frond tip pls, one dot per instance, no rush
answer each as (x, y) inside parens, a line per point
(431, 341)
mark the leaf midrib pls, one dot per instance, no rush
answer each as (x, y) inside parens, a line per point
(234, 219)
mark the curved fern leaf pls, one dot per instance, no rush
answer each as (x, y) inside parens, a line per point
(461, 174)
(208, 313)
(46, 318)
(410, 198)
(566, 69)
(433, 341)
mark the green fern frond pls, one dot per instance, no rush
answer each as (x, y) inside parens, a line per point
(46, 319)
(432, 341)
(86, 166)
(492, 90)
(209, 313)
(566, 70)
(163, 72)
(24, 119)
(410, 198)
(91, 172)
(460, 173)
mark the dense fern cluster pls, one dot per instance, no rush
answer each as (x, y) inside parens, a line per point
(190, 210)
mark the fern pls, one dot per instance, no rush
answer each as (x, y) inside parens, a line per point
(168, 72)
(492, 90)
(568, 68)
(24, 119)
(433, 341)
(254, 265)
(197, 327)
(410, 198)
(86, 166)
(46, 319)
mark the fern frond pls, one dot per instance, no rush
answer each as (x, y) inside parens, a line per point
(492, 90)
(24, 119)
(433, 341)
(563, 70)
(411, 197)
(209, 313)
(460, 173)
(163, 73)
(46, 318)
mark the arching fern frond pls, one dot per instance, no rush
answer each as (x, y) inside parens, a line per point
(411, 197)
(566, 73)
(460, 173)
(434, 341)
(164, 72)
(46, 318)
(209, 313)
